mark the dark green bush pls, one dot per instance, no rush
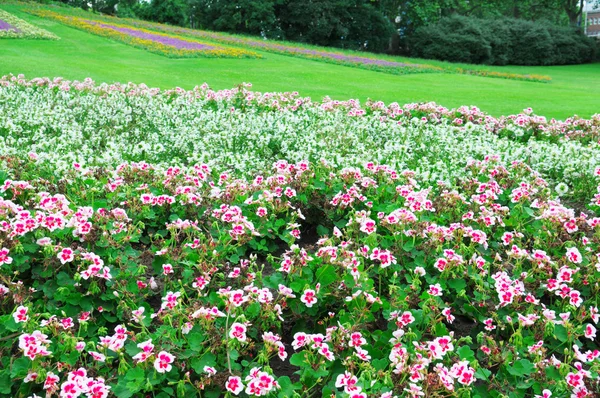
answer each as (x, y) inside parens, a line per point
(501, 41)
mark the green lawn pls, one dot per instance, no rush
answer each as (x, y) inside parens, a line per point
(573, 90)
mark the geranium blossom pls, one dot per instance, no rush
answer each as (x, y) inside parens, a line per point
(163, 362)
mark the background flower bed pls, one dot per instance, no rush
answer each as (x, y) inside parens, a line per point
(160, 43)
(66, 122)
(21, 29)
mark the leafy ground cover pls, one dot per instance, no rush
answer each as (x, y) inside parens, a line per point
(288, 259)
(12, 27)
(79, 54)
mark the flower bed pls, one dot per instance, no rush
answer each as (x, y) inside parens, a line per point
(7, 26)
(306, 279)
(66, 122)
(311, 52)
(168, 45)
(12, 27)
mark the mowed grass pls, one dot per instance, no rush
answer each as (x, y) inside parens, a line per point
(573, 90)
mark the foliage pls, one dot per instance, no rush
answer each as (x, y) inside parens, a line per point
(501, 41)
(242, 16)
(319, 53)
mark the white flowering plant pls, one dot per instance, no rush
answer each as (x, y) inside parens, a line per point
(12, 27)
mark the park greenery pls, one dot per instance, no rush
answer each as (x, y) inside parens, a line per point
(373, 25)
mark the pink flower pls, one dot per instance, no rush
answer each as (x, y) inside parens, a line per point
(163, 362)
(167, 269)
(51, 381)
(234, 385)
(238, 332)
(261, 212)
(435, 290)
(237, 297)
(146, 352)
(20, 314)
(545, 394)
(300, 340)
(574, 256)
(309, 297)
(368, 226)
(594, 314)
(66, 255)
(448, 314)
(326, 352)
(575, 380)
(4, 258)
(406, 318)
(97, 356)
(590, 331)
(31, 376)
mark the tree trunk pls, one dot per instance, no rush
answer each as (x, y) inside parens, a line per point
(394, 43)
(574, 10)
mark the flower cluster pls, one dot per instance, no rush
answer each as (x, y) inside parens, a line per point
(160, 43)
(12, 27)
(217, 128)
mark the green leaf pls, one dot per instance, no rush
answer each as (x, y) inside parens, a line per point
(560, 332)
(5, 384)
(195, 339)
(64, 279)
(20, 367)
(207, 359)
(253, 310)
(441, 329)
(408, 246)
(482, 374)
(521, 367)
(465, 352)
(457, 284)
(326, 275)
(122, 391)
(135, 375)
(287, 388)
(298, 359)
(322, 231)
(380, 364)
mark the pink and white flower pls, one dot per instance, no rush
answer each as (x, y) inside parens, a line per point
(163, 362)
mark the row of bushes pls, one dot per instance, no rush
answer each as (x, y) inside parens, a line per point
(501, 42)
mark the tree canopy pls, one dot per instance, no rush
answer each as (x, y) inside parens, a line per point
(371, 25)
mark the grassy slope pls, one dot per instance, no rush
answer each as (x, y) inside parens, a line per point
(78, 55)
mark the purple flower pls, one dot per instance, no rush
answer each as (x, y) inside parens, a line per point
(7, 26)
(166, 40)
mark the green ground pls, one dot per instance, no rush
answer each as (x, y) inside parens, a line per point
(573, 90)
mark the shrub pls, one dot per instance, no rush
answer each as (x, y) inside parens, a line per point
(501, 41)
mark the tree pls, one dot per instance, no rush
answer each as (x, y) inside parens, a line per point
(239, 16)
